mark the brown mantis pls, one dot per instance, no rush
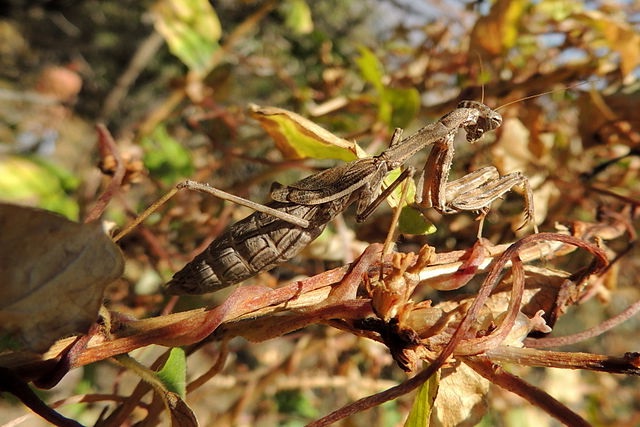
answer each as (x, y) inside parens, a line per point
(263, 240)
(472, 192)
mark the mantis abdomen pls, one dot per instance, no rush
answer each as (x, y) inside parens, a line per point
(257, 243)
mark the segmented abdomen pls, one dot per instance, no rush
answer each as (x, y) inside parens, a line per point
(257, 243)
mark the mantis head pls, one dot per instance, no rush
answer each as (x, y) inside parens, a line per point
(487, 121)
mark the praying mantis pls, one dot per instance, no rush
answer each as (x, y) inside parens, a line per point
(299, 212)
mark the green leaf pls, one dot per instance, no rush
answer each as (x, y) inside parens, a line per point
(297, 16)
(370, 68)
(413, 222)
(403, 105)
(423, 403)
(394, 197)
(295, 402)
(165, 157)
(25, 179)
(396, 107)
(174, 372)
(192, 30)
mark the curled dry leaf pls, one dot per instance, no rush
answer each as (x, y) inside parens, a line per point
(53, 273)
(181, 414)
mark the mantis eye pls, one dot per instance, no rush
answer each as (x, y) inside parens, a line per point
(495, 121)
(489, 121)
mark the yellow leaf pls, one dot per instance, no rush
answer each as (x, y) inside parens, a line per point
(34, 182)
(498, 31)
(297, 137)
(297, 16)
(620, 37)
(192, 30)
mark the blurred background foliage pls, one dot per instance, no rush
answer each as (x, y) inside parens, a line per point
(172, 79)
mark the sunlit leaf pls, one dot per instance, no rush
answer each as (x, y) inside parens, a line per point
(192, 31)
(37, 182)
(297, 16)
(171, 376)
(174, 372)
(370, 68)
(498, 31)
(54, 272)
(413, 222)
(396, 107)
(559, 9)
(394, 198)
(297, 137)
(423, 403)
(165, 157)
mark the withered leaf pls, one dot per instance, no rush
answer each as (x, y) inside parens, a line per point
(181, 414)
(53, 273)
(608, 119)
(460, 400)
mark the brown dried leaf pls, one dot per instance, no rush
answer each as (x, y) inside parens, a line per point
(460, 400)
(511, 153)
(181, 414)
(609, 119)
(54, 272)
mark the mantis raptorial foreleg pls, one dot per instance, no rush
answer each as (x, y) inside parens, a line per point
(473, 192)
(477, 190)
